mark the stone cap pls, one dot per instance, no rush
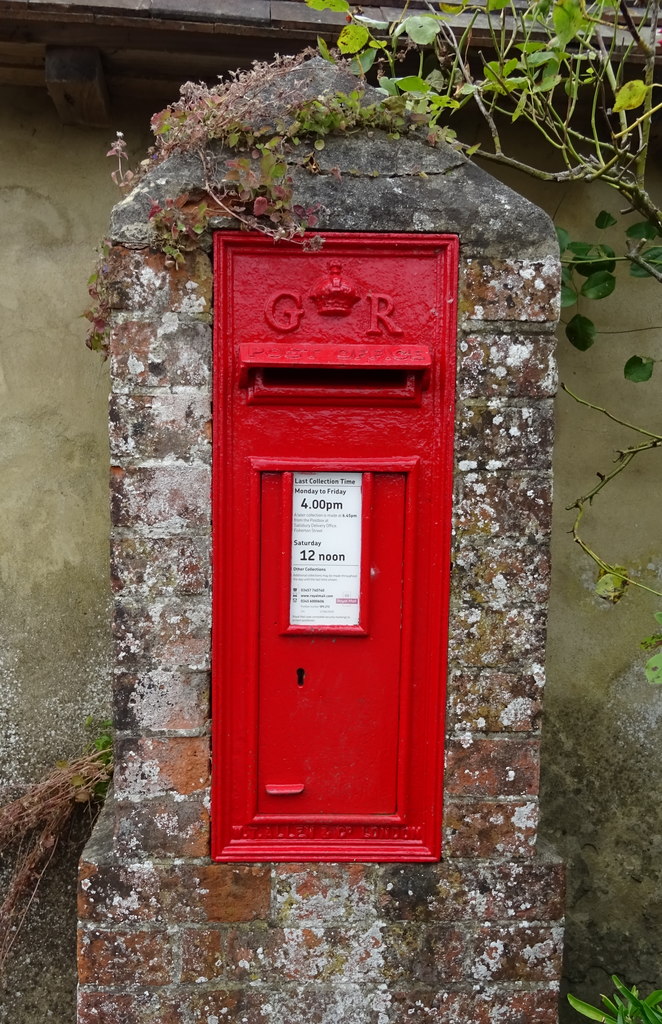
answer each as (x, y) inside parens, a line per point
(364, 182)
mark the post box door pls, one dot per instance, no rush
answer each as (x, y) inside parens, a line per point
(333, 419)
(315, 684)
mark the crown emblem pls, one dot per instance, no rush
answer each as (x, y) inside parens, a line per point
(334, 295)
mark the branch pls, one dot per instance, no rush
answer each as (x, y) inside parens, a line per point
(633, 30)
(624, 423)
(449, 36)
(634, 257)
(623, 459)
(613, 570)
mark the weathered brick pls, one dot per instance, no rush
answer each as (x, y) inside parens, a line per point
(487, 829)
(175, 498)
(173, 893)
(207, 955)
(231, 1005)
(506, 365)
(431, 954)
(164, 826)
(138, 1008)
(349, 954)
(165, 353)
(158, 566)
(486, 767)
(487, 1006)
(169, 425)
(294, 1004)
(456, 891)
(510, 289)
(235, 892)
(138, 280)
(497, 639)
(161, 699)
(504, 437)
(116, 958)
(500, 504)
(149, 766)
(310, 895)
(517, 952)
(490, 701)
(173, 633)
(501, 573)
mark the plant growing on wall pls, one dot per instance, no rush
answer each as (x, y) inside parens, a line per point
(34, 823)
(581, 76)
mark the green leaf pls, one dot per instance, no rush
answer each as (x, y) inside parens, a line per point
(324, 50)
(642, 229)
(563, 238)
(604, 220)
(655, 997)
(422, 28)
(568, 296)
(371, 22)
(600, 257)
(658, 618)
(530, 47)
(598, 286)
(589, 1011)
(638, 368)
(497, 5)
(580, 332)
(630, 96)
(353, 38)
(540, 57)
(652, 256)
(389, 86)
(549, 82)
(610, 586)
(329, 5)
(362, 63)
(651, 1016)
(568, 18)
(412, 83)
(443, 102)
(521, 103)
(580, 248)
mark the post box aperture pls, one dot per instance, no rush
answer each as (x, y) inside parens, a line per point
(333, 413)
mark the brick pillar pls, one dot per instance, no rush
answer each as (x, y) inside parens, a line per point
(165, 934)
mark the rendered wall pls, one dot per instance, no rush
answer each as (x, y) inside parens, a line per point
(54, 592)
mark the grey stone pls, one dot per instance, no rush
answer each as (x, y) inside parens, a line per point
(403, 184)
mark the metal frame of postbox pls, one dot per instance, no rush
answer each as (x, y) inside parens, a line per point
(333, 360)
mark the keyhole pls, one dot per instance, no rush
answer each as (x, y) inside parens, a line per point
(300, 675)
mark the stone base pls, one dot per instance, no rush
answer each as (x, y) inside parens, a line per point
(191, 942)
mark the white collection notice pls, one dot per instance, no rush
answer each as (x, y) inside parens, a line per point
(326, 549)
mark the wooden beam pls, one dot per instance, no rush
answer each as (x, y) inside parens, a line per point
(76, 83)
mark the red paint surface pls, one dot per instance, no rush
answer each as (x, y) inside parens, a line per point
(328, 739)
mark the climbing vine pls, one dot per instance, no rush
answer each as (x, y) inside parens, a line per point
(581, 75)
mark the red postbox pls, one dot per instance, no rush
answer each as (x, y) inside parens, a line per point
(333, 413)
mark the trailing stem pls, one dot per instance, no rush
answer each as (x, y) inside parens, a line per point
(617, 578)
